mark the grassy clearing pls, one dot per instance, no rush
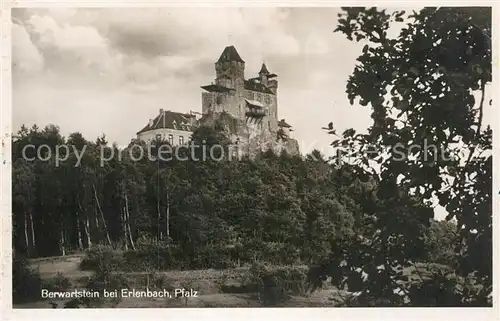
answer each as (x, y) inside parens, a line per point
(213, 286)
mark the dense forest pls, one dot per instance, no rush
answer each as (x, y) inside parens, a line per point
(356, 222)
(281, 209)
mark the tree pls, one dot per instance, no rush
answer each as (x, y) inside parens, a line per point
(421, 87)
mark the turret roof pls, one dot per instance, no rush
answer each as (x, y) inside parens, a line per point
(283, 123)
(263, 69)
(230, 54)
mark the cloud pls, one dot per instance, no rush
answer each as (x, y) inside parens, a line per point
(25, 55)
(71, 48)
(109, 61)
(147, 45)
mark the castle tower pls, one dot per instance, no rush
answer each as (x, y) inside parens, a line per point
(230, 69)
(222, 96)
(263, 74)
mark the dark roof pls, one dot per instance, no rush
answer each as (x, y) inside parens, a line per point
(263, 70)
(257, 86)
(167, 118)
(283, 123)
(254, 103)
(230, 54)
(217, 88)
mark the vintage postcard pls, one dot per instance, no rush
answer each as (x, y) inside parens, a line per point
(224, 156)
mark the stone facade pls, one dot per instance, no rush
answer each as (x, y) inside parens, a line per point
(248, 106)
(251, 137)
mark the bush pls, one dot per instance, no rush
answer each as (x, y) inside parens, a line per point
(161, 282)
(276, 285)
(58, 283)
(150, 255)
(212, 257)
(104, 280)
(102, 258)
(26, 282)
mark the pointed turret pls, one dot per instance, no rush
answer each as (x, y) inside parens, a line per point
(230, 69)
(263, 70)
(263, 74)
(230, 54)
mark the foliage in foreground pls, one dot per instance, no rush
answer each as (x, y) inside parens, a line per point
(422, 87)
(27, 282)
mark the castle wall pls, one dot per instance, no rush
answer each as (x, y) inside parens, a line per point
(252, 136)
(207, 102)
(229, 70)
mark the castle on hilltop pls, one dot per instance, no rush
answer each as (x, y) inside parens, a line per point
(248, 108)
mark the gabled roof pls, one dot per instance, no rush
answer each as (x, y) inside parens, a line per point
(172, 120)
(283, 123)
(230, 54)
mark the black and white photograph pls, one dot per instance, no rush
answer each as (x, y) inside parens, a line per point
(251, 157)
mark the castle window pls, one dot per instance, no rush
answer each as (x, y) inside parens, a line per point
(268, 100)
(171, 139)
(181, 140)
(174, 124)
(259, 97)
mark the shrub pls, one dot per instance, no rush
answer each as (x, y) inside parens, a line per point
(58, 283)
(162, 282)
(101, 280)
(213, 256)
(150, 255)
(102, 258)
(224, 285)
(275, 285)
(26, 282)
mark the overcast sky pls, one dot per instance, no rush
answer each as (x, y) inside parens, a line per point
(110, 70)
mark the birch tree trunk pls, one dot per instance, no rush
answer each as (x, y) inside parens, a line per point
(62, 243)
(102, 216)
(96, 218)
(128, 222)
(168, 218)
(86, 225)
(79, 231)
(33, 243)
(87, 232)
(26, 234)
(158, 209)
(123, 220)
